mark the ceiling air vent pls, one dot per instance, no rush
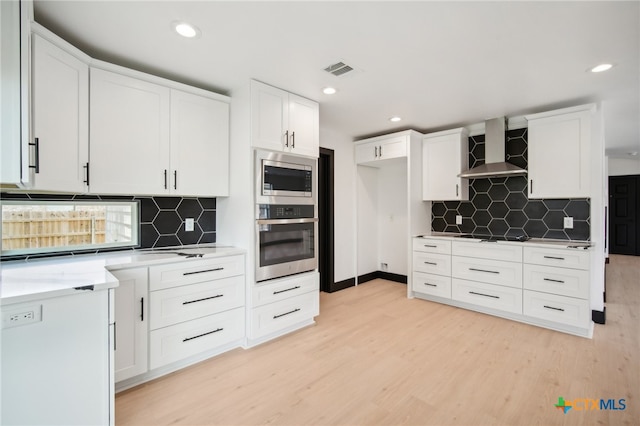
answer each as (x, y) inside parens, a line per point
(338, 69)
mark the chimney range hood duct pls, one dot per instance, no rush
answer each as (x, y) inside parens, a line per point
(495, 164)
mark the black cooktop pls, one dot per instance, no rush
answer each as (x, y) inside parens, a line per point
(495, 237)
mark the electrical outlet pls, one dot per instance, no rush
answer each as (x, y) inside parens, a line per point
(458, 219)
(21, 316)
(384, 266)
(568, 222)
(188, 224)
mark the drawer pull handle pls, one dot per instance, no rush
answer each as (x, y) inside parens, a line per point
(432, 263)
(202, 272)
(288, 289)
(554, 281)
(554, 257)
(203, 299)
(430, 246)
(485, 295)
(431, 285)
(202, 335)
(555, 309)
(286, 313)
(484, 270)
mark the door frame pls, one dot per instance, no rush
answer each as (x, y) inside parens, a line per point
(326, 241)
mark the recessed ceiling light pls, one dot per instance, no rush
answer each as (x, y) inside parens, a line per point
(329, 90)
(395, 119)
(185, 29)
(601, 67)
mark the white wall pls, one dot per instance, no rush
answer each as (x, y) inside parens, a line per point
(344, 202)
(623, 166)
(367, 219)
(392, 217)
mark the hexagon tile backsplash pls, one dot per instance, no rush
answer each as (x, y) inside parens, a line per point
(161, 218)
(500, 207)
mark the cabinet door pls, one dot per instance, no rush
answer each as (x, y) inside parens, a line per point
(269, 117)
(304, 122)
(131, 302)
(366, 153)
(393, 148)
(443, 158)
(60, 118)
(129, 135)
(559, 156)
(199, 145)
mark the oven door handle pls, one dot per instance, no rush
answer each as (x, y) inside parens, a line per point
(285, 221)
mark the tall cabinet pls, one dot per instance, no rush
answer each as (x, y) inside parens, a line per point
(389, 204)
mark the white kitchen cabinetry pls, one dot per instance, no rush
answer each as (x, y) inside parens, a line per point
(56, 370)
(16, 17)
(487, 275)
(559, 150)
(444, 156)
(282, 121)
(132, 324)
(282, 305)
(148, 138)
(196, 306)
(60, 118)
(432, 267)
(556, 286)
(199, 145)
(371, 151)
(130, 141)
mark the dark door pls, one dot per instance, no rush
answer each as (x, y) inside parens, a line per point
(325, 220)
(623, 215)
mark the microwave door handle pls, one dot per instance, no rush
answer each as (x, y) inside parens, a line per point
(285, 221)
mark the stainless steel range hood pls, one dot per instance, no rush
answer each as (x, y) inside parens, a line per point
(495, 164)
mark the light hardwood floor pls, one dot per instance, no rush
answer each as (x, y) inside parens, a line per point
(377, 358)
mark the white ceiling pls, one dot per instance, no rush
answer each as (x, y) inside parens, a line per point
(438, 65)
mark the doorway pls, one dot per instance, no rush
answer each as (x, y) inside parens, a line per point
(624, 215)
(326, 243)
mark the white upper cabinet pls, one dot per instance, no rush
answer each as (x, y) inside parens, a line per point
(151, 139)
(60, 118)
(444, 156)
(282, 121)
(370, 151)
(560, 153)
(129, 135)
(199, 145)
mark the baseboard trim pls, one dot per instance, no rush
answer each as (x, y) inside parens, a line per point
(384, 275)
(599, 317)
(341, 285)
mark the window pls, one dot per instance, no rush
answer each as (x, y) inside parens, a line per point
(44, 227)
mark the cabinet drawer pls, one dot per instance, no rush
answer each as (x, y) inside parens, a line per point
(276, 316)
(439, 264)
(432, 246)
(487, 250)
(561, 309)
(487, 271)
(284, 288)
(194, 271)
(548, 279)
(179, 304)
(170, 344)
(488, 295)
(435, 285)
(566, 258)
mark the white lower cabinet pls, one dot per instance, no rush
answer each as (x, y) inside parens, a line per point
(508, 299)
(179, 341)
(132, 325)
(282, 305)
(532, 283)
(171, 315)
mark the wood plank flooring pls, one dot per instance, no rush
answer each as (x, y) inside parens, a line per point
(377, 358)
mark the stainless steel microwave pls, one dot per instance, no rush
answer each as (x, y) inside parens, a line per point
(284, 178)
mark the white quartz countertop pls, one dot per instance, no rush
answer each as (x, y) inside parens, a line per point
(539, 242)
(24, 281)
